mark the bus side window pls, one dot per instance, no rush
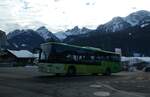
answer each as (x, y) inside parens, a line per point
(114, 58)
(96, 58)
(87, 57)
(92, 58)
(68, 56)
(75, 57)
(99, 58)
(80, 57)
(107, 57)
(83, 57)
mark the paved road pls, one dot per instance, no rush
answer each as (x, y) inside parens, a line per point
(28, 82)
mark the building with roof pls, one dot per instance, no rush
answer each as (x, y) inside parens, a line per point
(21, 57)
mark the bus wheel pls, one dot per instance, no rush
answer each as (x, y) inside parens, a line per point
(107, 72)
(94, 74)
(71, 71)
(57, 74)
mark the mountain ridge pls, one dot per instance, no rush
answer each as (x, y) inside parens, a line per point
(108, 36)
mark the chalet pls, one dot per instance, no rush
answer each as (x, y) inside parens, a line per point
(16, 57)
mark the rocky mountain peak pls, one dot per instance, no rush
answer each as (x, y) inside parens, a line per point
(138, 17)
(46, 34)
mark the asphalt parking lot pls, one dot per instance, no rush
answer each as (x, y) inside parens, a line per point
(28, 82)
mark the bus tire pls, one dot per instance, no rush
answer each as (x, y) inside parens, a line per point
(57, 74)
(71, 71)
(94, 74)
(107, 72)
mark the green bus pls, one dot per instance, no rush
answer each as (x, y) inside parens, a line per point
(61, 58)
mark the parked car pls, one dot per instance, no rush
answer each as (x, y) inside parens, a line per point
(147, 69)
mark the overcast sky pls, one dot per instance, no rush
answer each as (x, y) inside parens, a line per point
(59, 15)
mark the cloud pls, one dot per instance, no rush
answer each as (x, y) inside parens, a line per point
(56, 13)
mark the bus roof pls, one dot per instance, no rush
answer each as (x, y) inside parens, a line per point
(84, 47)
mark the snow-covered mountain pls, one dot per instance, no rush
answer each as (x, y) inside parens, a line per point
(14, 33)
(24, 39)
(138, 18)
(29, 39)
(141, 17)
(46, 34)
(116, 24)
(72, 32)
